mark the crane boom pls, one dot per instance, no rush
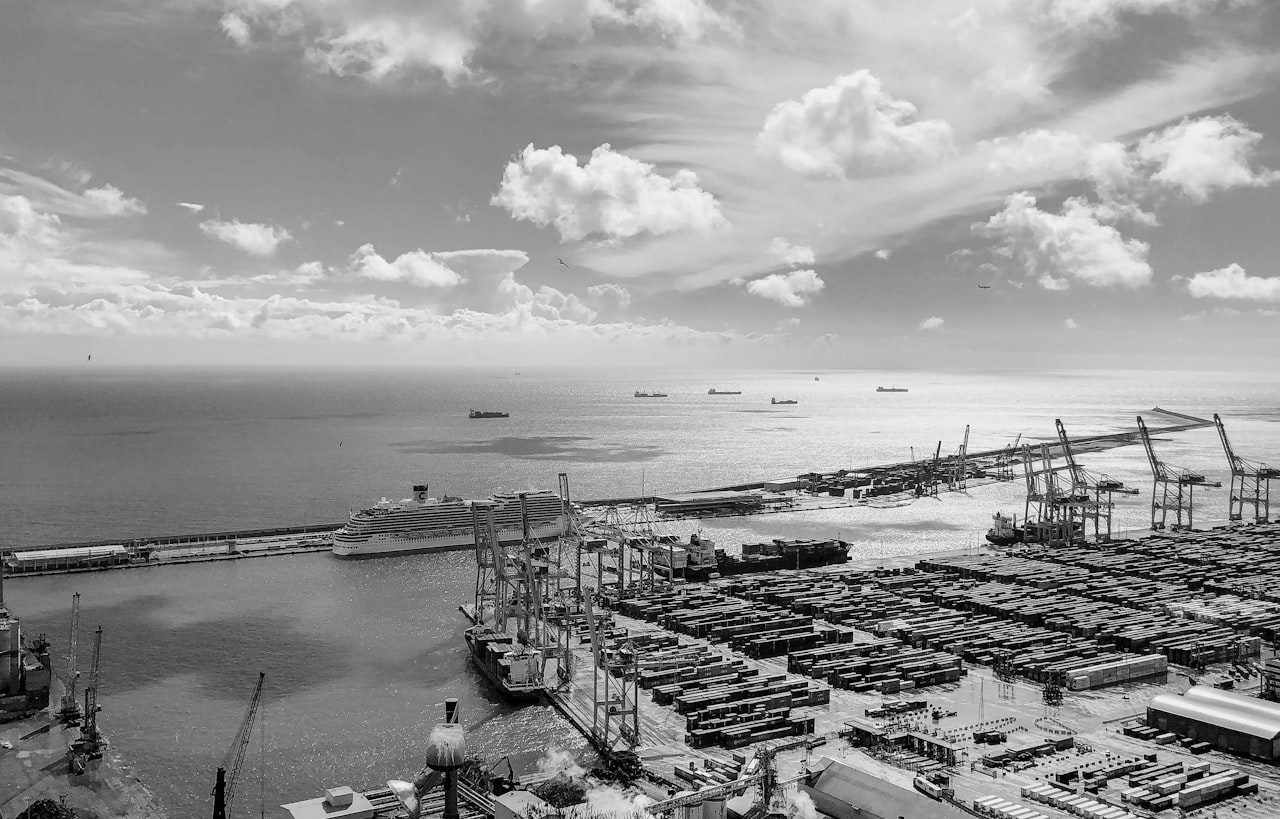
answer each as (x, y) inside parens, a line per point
(70, 711)
(1157, 468)
(1237, 465)
(1077, 474)
(225, 788)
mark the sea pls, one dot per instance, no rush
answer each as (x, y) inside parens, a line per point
(360, 656)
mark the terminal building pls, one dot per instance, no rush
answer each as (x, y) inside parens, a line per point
(1228, 721)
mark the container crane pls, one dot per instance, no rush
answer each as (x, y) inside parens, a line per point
(90, 745)
(1250, 481)
(69, 713)
(224, 789)
(1086, 500)
(1172, 487)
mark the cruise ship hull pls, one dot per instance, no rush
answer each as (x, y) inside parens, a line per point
(408, 543)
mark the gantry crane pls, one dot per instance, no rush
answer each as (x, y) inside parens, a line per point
(1250, 481)
(1091, 497)
(69, 713)
(1172, 487)
(224, 789)
(959, 466)
(615, 703)
(90, 744)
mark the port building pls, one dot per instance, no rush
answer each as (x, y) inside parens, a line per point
(1226, 720)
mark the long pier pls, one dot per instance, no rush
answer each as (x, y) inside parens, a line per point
(202, 544)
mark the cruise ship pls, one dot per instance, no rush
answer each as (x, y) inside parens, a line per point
(426, 524)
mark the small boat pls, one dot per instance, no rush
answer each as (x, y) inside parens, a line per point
(480, 414)
(640, 394)
(714, 391)
(1004, 531)
(783, 401)
(891, 389)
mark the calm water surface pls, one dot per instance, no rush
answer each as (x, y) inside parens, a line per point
(360, 656)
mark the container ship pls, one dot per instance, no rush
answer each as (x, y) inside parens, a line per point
(516, 670)
(487, 414)
(699, 559)
(426, 524)
(714, 391)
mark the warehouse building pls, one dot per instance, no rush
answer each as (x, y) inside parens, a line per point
(1230, 722)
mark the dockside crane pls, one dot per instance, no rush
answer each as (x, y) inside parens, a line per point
(90, 744)
(224, 789)
(1172, 488)
(1091, 497)
(1250, 481)
(69, 713)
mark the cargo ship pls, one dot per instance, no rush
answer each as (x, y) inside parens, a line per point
(640, 394)
(514, 669)
(761, 557)
(1004, 530)
(783, 401)
(714, 391)
(891, 389)
(426, 524)
(483, 414)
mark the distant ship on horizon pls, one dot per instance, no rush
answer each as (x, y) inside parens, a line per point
(484, 414)
(783, 401)
(641, 394)
(714, 391)
(891, 389)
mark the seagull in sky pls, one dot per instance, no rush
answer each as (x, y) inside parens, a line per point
(562, 261)
(90, 358)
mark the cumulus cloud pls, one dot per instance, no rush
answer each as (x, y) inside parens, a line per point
(1108, 13)
(1071, 245)
(788, 289)
(1070, 324)
(546, 302)
(611, 195)
(851, 128)
(1199, 156)
(1233, 282)
(932, 323)
(103, 202)
(609, 295)
(254, 238)
(793, 255)
(416, 267)
(883, 254)
(110, 201)
(385, 41)
(191, 206)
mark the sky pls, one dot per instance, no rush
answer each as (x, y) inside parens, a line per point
(861, 184)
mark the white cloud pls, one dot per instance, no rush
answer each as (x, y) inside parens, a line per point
(1108, 13)
(191, 206)
(883, 254)
(1232, 282)
(103, 202)
(1070, 324)
(932, 323)
(253, 238)
(611, 195)
(1200, 156)
(852, 128)
(416, 267)
(793, 255)
(386, 40)
(546, 302)
(788, 289)
(236, 28)
(110, 201)
(609, 294)
(1070, 245)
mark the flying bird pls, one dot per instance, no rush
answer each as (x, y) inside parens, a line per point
(562, 261)
(90, 358)
(984, 287)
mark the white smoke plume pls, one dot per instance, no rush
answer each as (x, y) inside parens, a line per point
(609, 800)
(559, 761)
(800, 806)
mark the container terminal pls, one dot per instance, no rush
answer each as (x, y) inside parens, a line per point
(1068, 673)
